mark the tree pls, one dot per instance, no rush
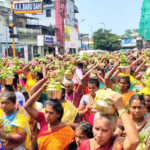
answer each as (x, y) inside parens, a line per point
(129, 33)
(105, 40)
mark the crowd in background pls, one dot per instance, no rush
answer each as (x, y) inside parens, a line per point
(72, 102)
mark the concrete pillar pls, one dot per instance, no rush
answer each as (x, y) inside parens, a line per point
(26, 53)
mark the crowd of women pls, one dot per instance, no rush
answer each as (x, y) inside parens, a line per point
(53, 103)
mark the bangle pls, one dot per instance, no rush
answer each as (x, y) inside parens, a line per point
(121, 112)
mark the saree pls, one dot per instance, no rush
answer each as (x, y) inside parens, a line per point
(111, 145)
(89, 116)
(126, 97)
(144, 133)
(70, 112)
(15, 123)
(55, 140)
(30, 82)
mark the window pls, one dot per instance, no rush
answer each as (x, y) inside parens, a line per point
(48, 13)
(47, 1)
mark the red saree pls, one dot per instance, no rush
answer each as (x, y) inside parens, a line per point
(85, 145)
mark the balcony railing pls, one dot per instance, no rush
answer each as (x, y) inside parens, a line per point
(25, 33)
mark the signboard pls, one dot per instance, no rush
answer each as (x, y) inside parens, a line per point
(128, 42)
(67, 33)
(46, 40)
(27, 7)
(49, 40)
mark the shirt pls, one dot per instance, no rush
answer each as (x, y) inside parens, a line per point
(20, 98)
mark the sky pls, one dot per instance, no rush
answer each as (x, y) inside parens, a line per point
(117, 15)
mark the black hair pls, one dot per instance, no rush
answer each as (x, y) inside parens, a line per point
(56, 105)
(9, 88)
(103, 72)
(80, 65)
(127, 79)
(94, 81)
(63, 93)
(86, 129)
(132, 71)
(39, 75)
(137, 97)
(15, 80)
(24, 79)
(11, 96)
(26, 95)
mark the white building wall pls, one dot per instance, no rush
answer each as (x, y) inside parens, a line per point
(42, 19)
(5, 3)
(74, 34)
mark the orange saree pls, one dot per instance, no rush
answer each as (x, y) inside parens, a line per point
(126, 97)
(56, 140)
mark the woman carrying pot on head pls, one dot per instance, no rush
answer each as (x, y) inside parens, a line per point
(87, 102)
(124, 88)
(103, 130)
(53, 134)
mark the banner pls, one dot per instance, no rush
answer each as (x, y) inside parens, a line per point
(26, 7)
(128, 42)
(67, 33)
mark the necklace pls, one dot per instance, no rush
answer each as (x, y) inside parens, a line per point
(140, 125)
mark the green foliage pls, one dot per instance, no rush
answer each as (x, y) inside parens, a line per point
(105, 40)
(128, 33)
(123, 60)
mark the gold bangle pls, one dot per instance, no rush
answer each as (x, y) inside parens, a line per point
(121, 112)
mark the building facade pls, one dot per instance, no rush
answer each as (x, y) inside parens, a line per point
(56, 28)
(72, 38)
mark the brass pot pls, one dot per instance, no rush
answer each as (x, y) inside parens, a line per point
(9, 81)
(125, 69)
(3, 82)
(54, 93)
(105, 107)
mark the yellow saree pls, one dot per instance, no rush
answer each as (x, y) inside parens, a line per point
(70, 112)
(17, 122)
(30, 82)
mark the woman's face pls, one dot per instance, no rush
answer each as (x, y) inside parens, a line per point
(101, 74)
(102, 131)
(92, 88)
(79, 136)
(137, 110)
(147, 100)
(123, 84)
(68, 87)
(7, 106)
(51, 115)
